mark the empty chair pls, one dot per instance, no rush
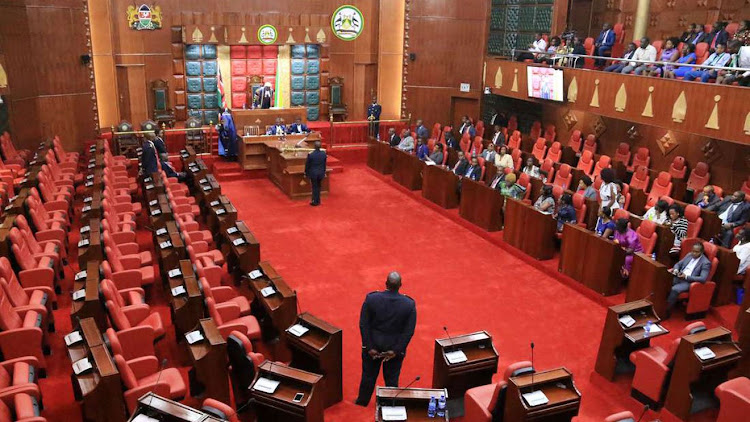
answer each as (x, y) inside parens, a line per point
(199, 251)
(550, 133)
(123, 298)
(131, 344)
(647, 234)
(564, 177)
(228, 319)
(579, 204)
(540, 148)
(465, 144)
(586, 163)
(132, 275)
(516, 155)
(547, 169)
(575, 141)
(536, 130)
(243, 363)
(487, 402)
(515, 140)
(746, 186)
(21, 332)
(512, 123)
(734, 398)
(15, 374)
(477, 146)
(621, 417)
(662, 186)
(24, 404)
(149, 377)
(642, 158)
(695, 221)
(640, 178)
(125, 318)
(603, 163)
(31, 285)
(525, 181)
(622, 154)
(225, 295)
(34, 272)
(554, 152)
(128, 252)
(699, 177)
(590, 144)
(220, 410)
(35, 298)
(677, 168)
(701, 52)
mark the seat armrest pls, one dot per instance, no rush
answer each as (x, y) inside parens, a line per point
(228, 311)
(130, 262)
(130, 248)
(144, 366)
(136, 313)
(31, 360)
(223, 293)
(127, 279)
(41, 277)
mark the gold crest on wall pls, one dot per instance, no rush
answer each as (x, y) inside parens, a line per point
(144, 17)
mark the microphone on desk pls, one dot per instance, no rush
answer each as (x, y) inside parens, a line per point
(532, 367)
(449, 336)
(645, 409)
(158, 377)
(404, 388)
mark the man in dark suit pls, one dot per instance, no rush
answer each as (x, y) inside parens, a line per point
(315, 170)
(451, 141)
(422, 131)
(498, 139)
(298, 127)
(733, 212)
(719, 35)
(689, 33)
(693, 268)
(386, 323)
(277, 129)
(461, 165)
(149, 159)
(707, 198)
(466, 126)
(264, 96)
(373, 116)
(393, 139)
(474, 172)
(699, 35)
(604, 42)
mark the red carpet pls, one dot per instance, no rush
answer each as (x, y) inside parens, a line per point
(335, 254)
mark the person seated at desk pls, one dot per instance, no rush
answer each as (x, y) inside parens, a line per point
(503, 160)
(605, 227)
(467, 126)
(277, 129)
(565, 213)
(733, 212)
(297, 127)
(628, 239)
(474, 171)
(617, 67)
(407, 142)
(531, 169)
(586, 188)
(451, 141)
(499, 177)
(707, 198)
(421, 130)
(509, 188)
(152, 161)
(742, 250)
(393, 139)
(657, 213)
(498, 139)
(459, 169)
(437, 154)
(489, 153)
(422, 150)
(695, 267)
(546, 201)
(678, 224)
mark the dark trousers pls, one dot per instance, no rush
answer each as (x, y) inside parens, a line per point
(374, 128)
(726, 237)
(370, 371)
(230, 146)
(602, 51)
(316, 181)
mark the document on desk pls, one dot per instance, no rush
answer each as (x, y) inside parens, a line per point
(143, 418)
(255, 274)
(627, 321)
(266, 385)
(655, 328)
(704, 353)
(536, 398)
(79, 294)
(456, 356)
(179, 290)
(267, 291)
(175, 272)
(81, 366)
(81, 275)
(238, 241)
(161, 232)
(298, 330)
(232, 230)
(430, 162)
(193, 337)
(394, 413)
(73, 338)
(85, 229)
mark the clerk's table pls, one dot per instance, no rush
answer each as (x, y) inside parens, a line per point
(463, 362)
(286, 169)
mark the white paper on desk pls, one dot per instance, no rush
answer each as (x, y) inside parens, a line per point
(214, 203)
(655, 328)
(149, 187)
(91, 166)
(155, 212)
(13, 198)
(207, 188)
(194, 169)
(704, 353)
(179, 290)
(87, 199)
(90, 177)
(430, 162)
(73, 338)
(148, 179)
(165, 245)
(393, 413)
(267, 291)
(87, 208)
(143, 418)
(89, 184)
(220, 211)
(265, 385)
(152, 202)
(536, 398)
(83, 242)
(79, 294)
(175, 272)
(627, 321)
(232, 230)
(161, 231)
(202, 181)
(7, 207)
(298, 330)
(254, 274)
(85, 229)
(82, 365)
(238, 242)
(193, 337)
(81, 275)
(457, 356)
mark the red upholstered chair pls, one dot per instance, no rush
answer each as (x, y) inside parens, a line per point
(243, 363)
(29, 285)
(586, 163)
(128, 251)
(677, 168)
(25, 241)
(746, 186)
(557, 192)
(640, 178)
(512, 123)
(536, 130)
(480, 403)
(564, 177)
(125, 297)
(21, 332)
(34, 272)
(540, 148)
(200, 251)
(515, 140)
(652, 367)
(695, 221)
(225, 296)
(525, 181)
(642, 158)
(436, 132)
(621, 213)
(734, 398)
(701, 52)
(16, 374)
(47, 219)
(548, 167)
(621, 417)
(662, 186)
(699, 177)
(516, 155)
(550, 133)
(647, 233)
(579, 203)
(131, 344)
(554, 152)
(622, 154)
(588, 45)
(477, 146)
(700, 294)
(24, 403)
(125, 318)
(222, 411)
(228, 319)
(590, 144)
(34, 298)
(144, 375)
(480, 128)
(126, 273)
(465, 144)
(603, 163)
(575, 141)
(626, 194)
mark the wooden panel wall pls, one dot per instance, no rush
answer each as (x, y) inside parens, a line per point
(448, 38)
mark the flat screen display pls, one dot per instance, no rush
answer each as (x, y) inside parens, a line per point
(545, 83)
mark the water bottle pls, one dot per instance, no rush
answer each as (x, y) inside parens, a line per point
(431, 408)
(647, 329)
(441, 406)
(653, 256)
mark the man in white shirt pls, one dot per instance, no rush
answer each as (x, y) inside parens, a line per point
(407, 142)
(718, 58)
(645, 52)
(742, 250)
(538, 46)
(694, 268)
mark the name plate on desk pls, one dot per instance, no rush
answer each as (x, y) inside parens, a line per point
(90, 166)
(627, 321)
(83, 242)
(232, 230)
(704, 353)
(536, 398)
(152, 202)
(81, 366)
(148, 179)
(143, 418)
(179, 290)
(267, 291)
(254, 274)
(298, 330)
(393, 413)
(221, 211)
(87, 199)
(266, 385)
(73, 338)
(79, 294)
(85, 229)
(214, 203)
(88, 184)
(165, 245)
(207, 188)
(86, 209)
(155, 212)
(90, 177)
(457, 356)
(149, 187)
(81, 275)
(193, 337)
(202, 181)
(238, 242)
(174, 273)
(194, 169)
(162, 231)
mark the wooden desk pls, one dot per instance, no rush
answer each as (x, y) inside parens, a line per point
(196, 170)
(557, 385)
(481, 205)
(529, 230)
(478, 369)
(92, 207)
(153, 186)
(600, 270)
(166, 410)
(664, 239)
(744, 306)
(407, 169)
(7, 224)
(726, 272)
(287, 170)
(243, 255)
(208, 190)
(690, 374)
(649, 280)
(619, 341)
(379, 156)
(209, 375)
(440, 185)
(221, 215)
(638, 199)
(414, 399)
(253, 149)
(186, 309)
(319, 351)
(279, 405)
(170, 254)
(188, 156)
(159, 211)
(90, 306)
(263, 117)
(278, 311)
(90, 247)
(743, 340)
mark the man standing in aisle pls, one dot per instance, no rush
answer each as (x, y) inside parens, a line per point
(386, 323)
(315, 170)
(373, 115)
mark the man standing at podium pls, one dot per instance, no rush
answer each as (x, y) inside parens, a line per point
(315, 170)
(386, 323)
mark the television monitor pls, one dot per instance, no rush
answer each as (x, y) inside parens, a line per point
(545, 83)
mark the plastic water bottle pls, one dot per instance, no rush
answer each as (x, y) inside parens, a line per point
(653, 256)
(647, 329)
(431, 408)
(441, 406)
